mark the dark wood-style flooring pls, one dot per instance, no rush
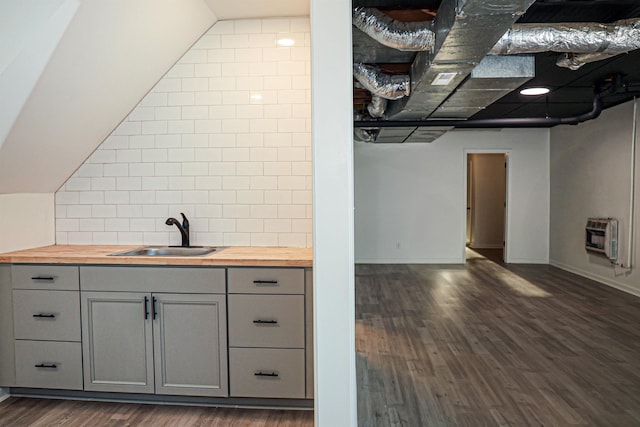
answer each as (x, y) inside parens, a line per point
(493, 345)
(443, 345)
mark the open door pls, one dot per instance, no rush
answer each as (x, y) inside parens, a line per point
(486, 203)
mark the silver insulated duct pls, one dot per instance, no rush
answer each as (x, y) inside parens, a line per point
(381, 84)
(405, 36)
(377, 106)
(585, 42)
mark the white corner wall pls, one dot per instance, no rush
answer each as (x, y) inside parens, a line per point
(224, 136)
(591, 177)
(26, 221)
(411, 203)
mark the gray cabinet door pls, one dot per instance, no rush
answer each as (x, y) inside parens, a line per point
(190, 343)
(117, 342)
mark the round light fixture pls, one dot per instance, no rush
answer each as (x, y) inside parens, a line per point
(286, 42)
(533, 91)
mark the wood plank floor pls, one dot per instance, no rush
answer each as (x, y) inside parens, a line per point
(17, 411)
(492, 345)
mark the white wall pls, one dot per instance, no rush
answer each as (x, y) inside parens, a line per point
(488, 197)
(333, 250)
(414, 195)
(591, 177)
(26, 221)
(225, 137)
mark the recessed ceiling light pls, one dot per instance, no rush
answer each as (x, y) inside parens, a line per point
(286, 42)
(532, 91)
(256, 96)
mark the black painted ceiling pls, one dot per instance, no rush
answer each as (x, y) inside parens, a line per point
(571, 91)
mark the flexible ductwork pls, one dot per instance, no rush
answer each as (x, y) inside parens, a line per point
(405, 36)
(369, 134)
(573, 61)
(381, 84)
(594, 41)
(377, 106)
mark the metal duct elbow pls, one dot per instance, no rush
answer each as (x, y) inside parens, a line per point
(594, 41)
(381, 84)
(405, 36)
(573, 61)
(377, 106)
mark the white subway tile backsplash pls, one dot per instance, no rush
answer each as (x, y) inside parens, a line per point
(156, 127)
(180, 126)
(208, 183)
(237, 239)
(91, 197)
(104, 211)
(264, 239)
(191, 113)
(116, 169)
(128, 183)
(91, 224)
(66, 224)
(129, 211)
(128, 156)
(224, 136)
(168, 113)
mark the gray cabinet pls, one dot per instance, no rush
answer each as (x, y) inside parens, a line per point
(117, 342)
(154, 342)
(267, 333)
(46, 326)
(190, 340)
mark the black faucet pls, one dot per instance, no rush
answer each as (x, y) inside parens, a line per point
(184, 228)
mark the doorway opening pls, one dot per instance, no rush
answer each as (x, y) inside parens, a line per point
(486, 202)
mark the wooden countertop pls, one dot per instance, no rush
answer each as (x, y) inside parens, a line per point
(98, 254)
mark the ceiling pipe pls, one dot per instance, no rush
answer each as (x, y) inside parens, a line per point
(586, 41)
(492, 123)
(404, 36)
(381, 84)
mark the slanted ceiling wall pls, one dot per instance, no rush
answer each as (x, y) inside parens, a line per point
(591, 177)
(110, 55)
(224, 137)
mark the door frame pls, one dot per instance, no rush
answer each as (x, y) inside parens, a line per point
(507, 211)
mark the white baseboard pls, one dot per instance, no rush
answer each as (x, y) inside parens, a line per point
(604, 280)
(4, 394)
(409, 261)
(528, 261)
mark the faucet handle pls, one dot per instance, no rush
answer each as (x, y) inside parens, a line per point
(185, 222)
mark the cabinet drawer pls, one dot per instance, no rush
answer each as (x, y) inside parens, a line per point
(46, 315)
(266, 321)
(49, 364)
(266, 280)
(45, 277)
(275, 373)
(154, 279)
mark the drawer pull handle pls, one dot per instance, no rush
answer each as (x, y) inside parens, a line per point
(265, 322)
(47, 365)
(266, 374)
(42, 315)
(265, 282)
(47, 278)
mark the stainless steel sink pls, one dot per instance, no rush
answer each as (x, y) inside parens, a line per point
(169, 251)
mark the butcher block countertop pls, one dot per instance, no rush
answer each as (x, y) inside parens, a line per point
(99, 254)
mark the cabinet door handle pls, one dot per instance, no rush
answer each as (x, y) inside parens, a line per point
(42, 315)
(265, 282)
(265, 322)
(154, 308)
(146, 308)
(47, 278)
(266, 374)
(47, 365)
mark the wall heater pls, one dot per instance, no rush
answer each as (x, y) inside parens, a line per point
(602, 237)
